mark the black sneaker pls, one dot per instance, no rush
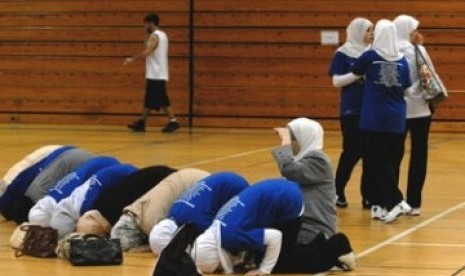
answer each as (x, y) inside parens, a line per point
(341, 201)
(171, 127)
(137, 126)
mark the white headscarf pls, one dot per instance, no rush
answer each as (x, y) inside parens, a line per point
(208, 254)
(405, 25)
(386, 43)
(356, 30)
(309, 135)
(41, 213)
(161, 235)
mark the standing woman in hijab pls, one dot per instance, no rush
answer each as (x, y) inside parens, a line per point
(387, 79)
(359, 36)
(418, 111)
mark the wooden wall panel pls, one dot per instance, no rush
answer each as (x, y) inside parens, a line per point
(84, 65)
(64, 59)
(93, 6)
(266, 102)
(355, 6)
(325, 19)
(94, 100)
(67, 34)
(253, 60)
(272, 64)
(82, 49)
(90, 19)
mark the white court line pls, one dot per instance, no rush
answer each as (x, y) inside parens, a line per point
(409, 231)
(227, 157)
(459, 245)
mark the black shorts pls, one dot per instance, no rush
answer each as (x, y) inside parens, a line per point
(156, 95)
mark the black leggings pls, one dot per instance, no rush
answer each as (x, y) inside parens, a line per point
(352, 151)
(383, 156)
(318, 256)
(419, 134)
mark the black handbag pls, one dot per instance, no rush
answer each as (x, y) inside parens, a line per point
(174, 260)
(95, 250)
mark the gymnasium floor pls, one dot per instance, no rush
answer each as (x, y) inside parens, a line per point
(432, 244)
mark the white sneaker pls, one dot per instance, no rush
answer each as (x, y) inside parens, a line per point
(398, 210)
(347, 261)
(414, 212)
(405, 207)
(378, 212)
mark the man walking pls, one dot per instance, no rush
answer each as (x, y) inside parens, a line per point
(156, 74)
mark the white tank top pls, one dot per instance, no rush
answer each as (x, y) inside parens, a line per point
(156, 64)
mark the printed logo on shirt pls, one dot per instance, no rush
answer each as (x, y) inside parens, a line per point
(228, 208)
(388, 74)
(192, 193)
(93, 181)
(64, 181)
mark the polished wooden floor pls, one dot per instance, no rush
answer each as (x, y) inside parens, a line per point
(432, 244)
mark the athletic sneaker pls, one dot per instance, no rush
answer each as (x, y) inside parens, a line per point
(378, 212)
(341, 201)
(137, 126)
(414, 212)
(406, 208)
(171, 127)
(400, 209)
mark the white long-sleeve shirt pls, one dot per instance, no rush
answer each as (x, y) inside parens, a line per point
(417, 107)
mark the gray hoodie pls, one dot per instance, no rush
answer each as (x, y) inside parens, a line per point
(61, 166)
(314, 173)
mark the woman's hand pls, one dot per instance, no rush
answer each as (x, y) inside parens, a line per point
(284, 134)
(128, 60)
(256, 272)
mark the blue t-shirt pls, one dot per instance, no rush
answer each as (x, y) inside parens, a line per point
(351, 95)
(21, 183)
(71, 181)
(383, 106)
(244, 218)
(200, 203)
(102, 180)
